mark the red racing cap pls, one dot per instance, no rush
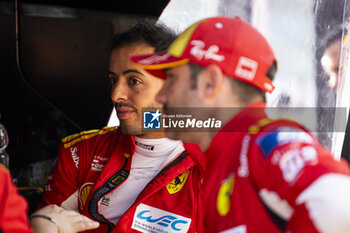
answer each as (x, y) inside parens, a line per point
(231, 43)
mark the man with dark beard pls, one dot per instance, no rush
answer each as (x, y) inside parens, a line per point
(127, 179)
(261, 174)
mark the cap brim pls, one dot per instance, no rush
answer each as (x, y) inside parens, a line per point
(158, 61)
(157, 73)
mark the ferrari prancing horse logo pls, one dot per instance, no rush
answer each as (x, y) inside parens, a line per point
(176, 184)
(223, 201)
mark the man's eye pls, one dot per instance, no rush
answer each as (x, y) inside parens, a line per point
(134, 81)
(113, 81)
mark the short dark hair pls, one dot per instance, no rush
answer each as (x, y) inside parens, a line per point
(246, 90)
(194, 72)
(146, 32)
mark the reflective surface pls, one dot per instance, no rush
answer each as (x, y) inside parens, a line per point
(4, 140)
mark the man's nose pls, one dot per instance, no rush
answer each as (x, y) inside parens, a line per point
(119, 92)
(161, 96)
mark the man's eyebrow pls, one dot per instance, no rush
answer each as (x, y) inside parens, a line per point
(112, 73)
(132, 71)
(126, 72)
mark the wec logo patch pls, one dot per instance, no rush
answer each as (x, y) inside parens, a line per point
(148, 219)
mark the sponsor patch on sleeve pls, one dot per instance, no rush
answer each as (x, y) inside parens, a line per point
(283, 135)
(294, 160)
(149, 219)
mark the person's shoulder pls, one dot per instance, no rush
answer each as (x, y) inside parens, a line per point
(267, 125)
(4, 172)
(3, 169)
(90, 135)
(5, 180)
(280, 132)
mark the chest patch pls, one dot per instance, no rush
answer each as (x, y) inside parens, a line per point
(98, 162)
(84, 193)
(176, 184)
(224, 195)
(148, 219)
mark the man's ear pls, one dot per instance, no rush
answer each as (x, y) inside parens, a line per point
(213, 81)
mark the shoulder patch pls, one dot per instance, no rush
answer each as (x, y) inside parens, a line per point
(72, 139)
(270, 140)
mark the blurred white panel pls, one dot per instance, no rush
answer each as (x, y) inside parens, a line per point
(289, 27)
(179, 14)
(232, 8)
(113, 119)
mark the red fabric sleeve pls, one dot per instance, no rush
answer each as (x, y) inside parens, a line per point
(287, 165)
(13, 207)
(63, 178)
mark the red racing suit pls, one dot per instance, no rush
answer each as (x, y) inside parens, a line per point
(94, 163)
(13, 207)
(272, 176)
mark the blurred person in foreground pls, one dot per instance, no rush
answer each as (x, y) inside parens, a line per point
(261, 175)
(13, 207)
(51, 219)
(125, 178)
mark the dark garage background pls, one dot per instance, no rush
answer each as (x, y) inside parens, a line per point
(63, 55)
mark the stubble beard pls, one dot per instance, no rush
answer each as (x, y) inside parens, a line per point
(132, 128)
